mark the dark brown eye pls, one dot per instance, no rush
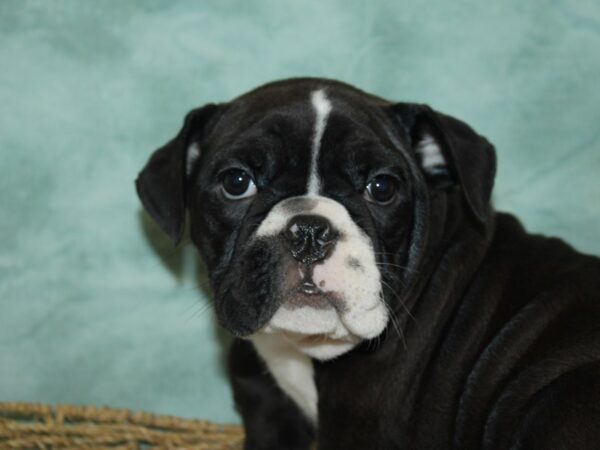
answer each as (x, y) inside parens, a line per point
(381, 189)
(237, 184)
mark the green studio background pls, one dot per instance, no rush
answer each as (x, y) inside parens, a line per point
(95, 305)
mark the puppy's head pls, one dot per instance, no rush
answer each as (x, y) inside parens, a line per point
(313, 205)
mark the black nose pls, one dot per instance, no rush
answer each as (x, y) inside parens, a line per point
(311, 238)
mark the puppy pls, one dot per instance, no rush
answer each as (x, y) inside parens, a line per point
(378, 300)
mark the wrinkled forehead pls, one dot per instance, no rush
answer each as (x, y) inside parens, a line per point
(312, 129)
(296, 110)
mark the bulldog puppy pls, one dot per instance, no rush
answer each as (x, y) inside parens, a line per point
(377, 299)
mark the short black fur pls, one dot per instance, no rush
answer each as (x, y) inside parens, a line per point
(500, 329)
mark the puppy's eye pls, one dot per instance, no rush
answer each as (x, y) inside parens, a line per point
(237, 184)
(381, 189)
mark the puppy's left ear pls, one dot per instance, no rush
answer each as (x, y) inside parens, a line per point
(161, 185)
(449, 149)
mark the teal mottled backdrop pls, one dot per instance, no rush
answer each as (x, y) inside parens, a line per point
(95, 306)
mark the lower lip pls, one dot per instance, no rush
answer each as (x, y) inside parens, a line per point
(318, 339)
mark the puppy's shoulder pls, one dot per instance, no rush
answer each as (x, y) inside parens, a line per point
(539, 264)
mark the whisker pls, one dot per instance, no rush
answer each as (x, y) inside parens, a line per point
(384, 253)
(199, 312)
(201, 289)
(395, 324)
(381, 263)
(378, 341)
(193, 305)
(401, 302)
(395, 275)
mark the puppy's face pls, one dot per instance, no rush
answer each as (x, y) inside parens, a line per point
(308, 201)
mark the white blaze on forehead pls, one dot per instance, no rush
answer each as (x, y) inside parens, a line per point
(322, 107)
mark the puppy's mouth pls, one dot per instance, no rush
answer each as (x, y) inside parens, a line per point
(303, 291)
(307, 341)
(309, 318)
(309, 287)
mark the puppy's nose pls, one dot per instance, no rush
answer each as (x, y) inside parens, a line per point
(311, 238)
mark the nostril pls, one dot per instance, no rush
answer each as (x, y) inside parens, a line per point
(326, 236)
(322, 242)
(309, 237)
(293, 230)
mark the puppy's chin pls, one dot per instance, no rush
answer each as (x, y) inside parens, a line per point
(320, 346)
(318, 327)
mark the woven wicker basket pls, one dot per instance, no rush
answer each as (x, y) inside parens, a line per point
(31, 426)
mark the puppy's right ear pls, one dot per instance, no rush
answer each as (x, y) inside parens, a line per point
(161, 185)
(448, 147)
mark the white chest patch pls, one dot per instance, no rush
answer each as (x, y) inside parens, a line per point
(322, 107)
(292, 370)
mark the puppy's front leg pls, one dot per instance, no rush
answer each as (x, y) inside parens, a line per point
(271, 420)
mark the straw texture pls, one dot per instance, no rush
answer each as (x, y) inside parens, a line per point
(35, 426)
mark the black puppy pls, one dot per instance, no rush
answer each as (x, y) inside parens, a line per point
(379, 301)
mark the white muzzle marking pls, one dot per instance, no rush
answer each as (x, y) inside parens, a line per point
(349, 274)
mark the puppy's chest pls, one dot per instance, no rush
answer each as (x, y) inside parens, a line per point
(293, 371)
